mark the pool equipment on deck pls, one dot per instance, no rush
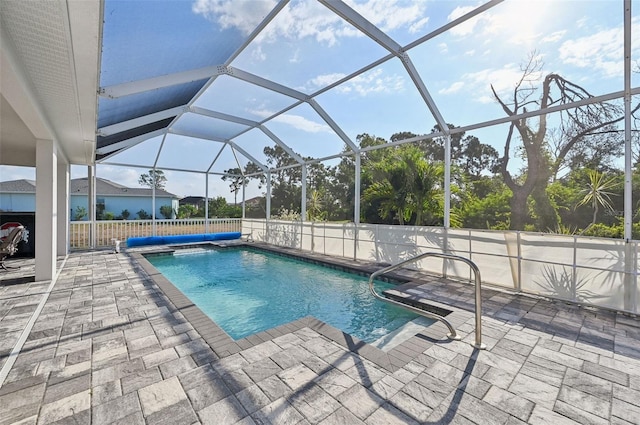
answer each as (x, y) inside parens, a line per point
(200, 237)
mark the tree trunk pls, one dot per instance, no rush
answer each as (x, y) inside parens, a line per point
(518, 204)
(546, 213)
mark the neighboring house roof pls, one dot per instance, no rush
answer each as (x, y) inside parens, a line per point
(18, 186)
(253, 202)
(192, 200)
(104, 187)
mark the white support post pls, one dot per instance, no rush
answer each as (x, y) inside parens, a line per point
(268, 200)
(628, 154)
(153, 202)
(356, 196)
(244, 186)
(46, 209)
(63, 208)
(268, 207)
(303, 200)
(356, 205)
(206, 203)
(630, 277)
(447, 182)
(91, 201)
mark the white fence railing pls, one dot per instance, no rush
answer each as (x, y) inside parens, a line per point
(107, 230)
(592, 271)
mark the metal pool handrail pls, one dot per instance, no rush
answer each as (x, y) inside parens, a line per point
(452, 332)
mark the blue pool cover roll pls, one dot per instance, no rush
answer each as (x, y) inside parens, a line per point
(201, 237)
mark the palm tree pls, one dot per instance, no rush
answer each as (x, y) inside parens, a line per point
(596, 194)
(405, 184)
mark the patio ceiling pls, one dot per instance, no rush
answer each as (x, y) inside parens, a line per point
(49, 62)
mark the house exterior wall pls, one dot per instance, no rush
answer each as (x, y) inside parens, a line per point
(116, 204)
(17, 202)
(26, 202)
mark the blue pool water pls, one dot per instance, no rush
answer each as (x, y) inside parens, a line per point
(247, 291)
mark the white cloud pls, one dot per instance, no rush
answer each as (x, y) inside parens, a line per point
(466, 27)
(553, 37)
(599, 51)
(453, 88)
(296, 121)
(310, 19)
(123, 175)
(443, 48)
(296, 57)
(391, 15)
(324, 80)
(257, 54)
(373, 82)
(244, 15)
(503, 80)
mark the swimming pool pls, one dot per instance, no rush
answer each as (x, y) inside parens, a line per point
(246, 291)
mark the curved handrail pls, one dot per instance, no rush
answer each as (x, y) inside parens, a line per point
(452, 332)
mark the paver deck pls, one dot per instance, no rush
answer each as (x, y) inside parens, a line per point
(109, 346)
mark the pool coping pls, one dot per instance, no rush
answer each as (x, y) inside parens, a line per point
(223, 345)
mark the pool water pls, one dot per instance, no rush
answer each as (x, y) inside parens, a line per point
(247, 291)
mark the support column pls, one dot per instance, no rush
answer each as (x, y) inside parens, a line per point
(153, 203)
(91, 202)
(63, 208)
(244, 186)
(356, 205)
(303, 201)
(447, 181)
(268, 200)
(206, 203)
(356, 196)
(268, 207)
(46, 209)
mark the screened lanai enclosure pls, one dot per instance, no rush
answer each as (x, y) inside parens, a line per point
(502, 131)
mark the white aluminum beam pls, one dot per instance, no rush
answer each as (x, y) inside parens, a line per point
(280, 143)
(129, 143)
(140, 121)
(507, 119)
(478, 10)
(247, 155)
(215, 139)
(267, 84)
(267, 19)
(274, 12)
(181, 170)
(422, 89)
(216, 158)
(249, 123)
(366, 27)
(221, 116)
(141, 86)
(335, 127)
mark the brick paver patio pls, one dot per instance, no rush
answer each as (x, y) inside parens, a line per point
(109, 347)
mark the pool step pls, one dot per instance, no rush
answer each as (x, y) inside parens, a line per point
(414, 301)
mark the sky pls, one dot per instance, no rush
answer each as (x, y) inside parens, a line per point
(306, 47)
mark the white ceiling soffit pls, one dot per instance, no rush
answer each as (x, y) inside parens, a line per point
(54, 49)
